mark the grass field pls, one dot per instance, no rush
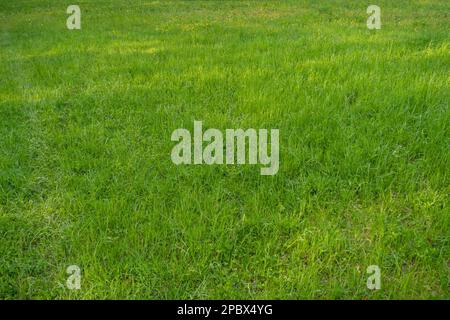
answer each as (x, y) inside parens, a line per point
(86, 176)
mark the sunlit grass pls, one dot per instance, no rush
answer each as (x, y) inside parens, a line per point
(86, 176)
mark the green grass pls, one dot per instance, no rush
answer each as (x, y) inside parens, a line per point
(86, 176)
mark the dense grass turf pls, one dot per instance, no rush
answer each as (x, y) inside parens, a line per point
(86, 176)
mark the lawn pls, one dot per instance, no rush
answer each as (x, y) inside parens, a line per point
(86, 176)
